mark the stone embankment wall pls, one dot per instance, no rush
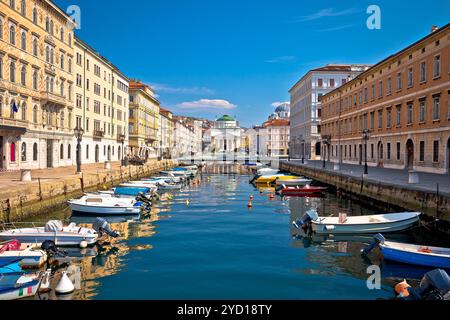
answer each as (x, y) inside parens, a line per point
(25, 201)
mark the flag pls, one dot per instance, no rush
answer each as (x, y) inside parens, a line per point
(14, 106)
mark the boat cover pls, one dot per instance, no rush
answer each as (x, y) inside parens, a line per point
(10, 246)
(54, 226)
(125, 191)
(179, 169)
(4, 262)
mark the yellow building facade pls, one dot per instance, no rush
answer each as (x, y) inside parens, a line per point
(36, 85)
(143, 120)
(101, 105)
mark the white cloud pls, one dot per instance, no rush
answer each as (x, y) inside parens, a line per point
(336, 28)
(281, 59)
(328, 12)
(277, 104)
(205, 104)
(158, 87)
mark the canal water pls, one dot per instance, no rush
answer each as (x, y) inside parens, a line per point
(205, 243)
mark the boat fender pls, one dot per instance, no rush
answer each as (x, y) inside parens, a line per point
(329, 228)
(377, 240)
(65, 285)
(83, 244)
(401, 289)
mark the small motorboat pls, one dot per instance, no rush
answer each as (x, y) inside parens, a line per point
(271, 179)
(360, 224)
(125, 192)
(292, 192)
(168, 186)
(100, 205)
(71, 235)
(434, 286)
(296, 182)
(177, 173)
(414, 254)
(14, 286)
(31, 255)
(267, 171)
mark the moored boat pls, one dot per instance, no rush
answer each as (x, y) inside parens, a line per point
(293, 182)
(360, 224)
(11, 265)
(30, 254)
(71, 235)
(270, 179)
(99, 205)
(15, 286)
(292, 192)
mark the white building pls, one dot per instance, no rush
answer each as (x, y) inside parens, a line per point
(225, 135)
(305, 107)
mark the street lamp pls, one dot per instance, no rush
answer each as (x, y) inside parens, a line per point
(79, 135)
(366, 137)
(326, 143)
(302, 143)
(122, 141)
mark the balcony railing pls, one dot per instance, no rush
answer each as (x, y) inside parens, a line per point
(49, 97)
(13, 124)
(99, 134)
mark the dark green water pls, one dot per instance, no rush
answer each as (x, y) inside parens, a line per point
(214, 247)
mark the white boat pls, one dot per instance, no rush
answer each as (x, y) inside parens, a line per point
(293, 182)
(19, 286)
(183, 174)
(380, 223)
(61, 235)
(99, 205)
(168, 186)
(167, 179)
(267, 171)
(31, 254)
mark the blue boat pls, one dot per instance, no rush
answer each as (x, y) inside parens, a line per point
(10, 265)
(435, 257)
(18, 285)
(134, 192)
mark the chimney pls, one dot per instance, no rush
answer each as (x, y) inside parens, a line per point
(434, 28)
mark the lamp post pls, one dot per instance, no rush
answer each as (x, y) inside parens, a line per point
(326, 143)
(79, 135)
(302, 143)
(366, 137)
(122, 141)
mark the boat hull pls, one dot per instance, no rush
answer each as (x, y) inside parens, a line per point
(20, 291)
(369, 228)
(294, 182)
(60, 238)
(104, 210)
(413, 258)
(302, 192)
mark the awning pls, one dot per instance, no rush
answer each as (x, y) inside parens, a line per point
(19, 130)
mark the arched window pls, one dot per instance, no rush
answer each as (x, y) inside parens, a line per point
(35, 47)
(61, 152)
(12, 152)
(51, 27)
(35, 114)
(62, 61)
(23, 152)
(12, 35)
(1, 106)
(23, 76)
(70, 39)
(12, 4)
(52, 83)
(35, 79)
(47, 54)
(62, 34)
(34, 16)
(1, 67)
(35, 152)
(47, 24)
(87, 151)
(52, 55)
(24, 111)
(69, 151)
(1, 28)
(62, 119)
(12, 72)
(69, 63)
(47, 83)
(23, 40)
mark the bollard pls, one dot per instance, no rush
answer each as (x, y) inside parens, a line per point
(25, 175)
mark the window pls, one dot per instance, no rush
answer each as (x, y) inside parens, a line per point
(436, 107)
(34, 16)
(423, 72)
(69, 64)
(87, 151)
(388, 157)
(398, 150)
(23, 76)
(436, 151)
(1, 67)
(381, 151)
(23, 41)
(79, 100)
(1, 27)
(61, 59)
(35, 152)
(410, 77)
(371, 151)
(372, 120)
(23, 152)
(380, 119)
(12, 35)
(61, 152)
(320, 83)
(12, 4)
(380, 89)
(398, 121)
(52, 29)
(61, 34)
(437, 66)
(69, 151)
(332, 83)
(12, 71)
(35, 47)
(23, 8)
(410, 113)
(70, 40)
(422, 110)
(399, 81)
(388, 115)
(389, 85)
(61, 118)
(24, 111)
(35, 114)
(422, 151)
(366, 96)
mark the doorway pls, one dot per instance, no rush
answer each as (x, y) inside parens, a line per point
(49, 153)
(410, 154)
(360, 154)
(448, 155)
(97, 155)
(380, 154)
(1, 153)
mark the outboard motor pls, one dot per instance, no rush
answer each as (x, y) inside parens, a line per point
(50, 247)
(435, 285)
(305, 221)
(256, 177)
(102, 227)
(377, 240)
(144, 200)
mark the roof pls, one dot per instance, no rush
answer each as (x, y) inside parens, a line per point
(391, 57)
(277, 123)
(226, 118)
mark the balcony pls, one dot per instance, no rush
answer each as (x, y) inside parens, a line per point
(51, 98)
(18, 126)
(121, 138)
(98, 134)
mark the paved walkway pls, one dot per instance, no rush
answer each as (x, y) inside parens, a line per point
(427, 181)
(12, 179)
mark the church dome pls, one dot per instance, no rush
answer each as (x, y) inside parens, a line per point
(226, 118)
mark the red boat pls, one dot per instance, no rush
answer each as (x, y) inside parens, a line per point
(292, 192)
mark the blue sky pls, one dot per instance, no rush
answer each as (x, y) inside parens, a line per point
(210, 57)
